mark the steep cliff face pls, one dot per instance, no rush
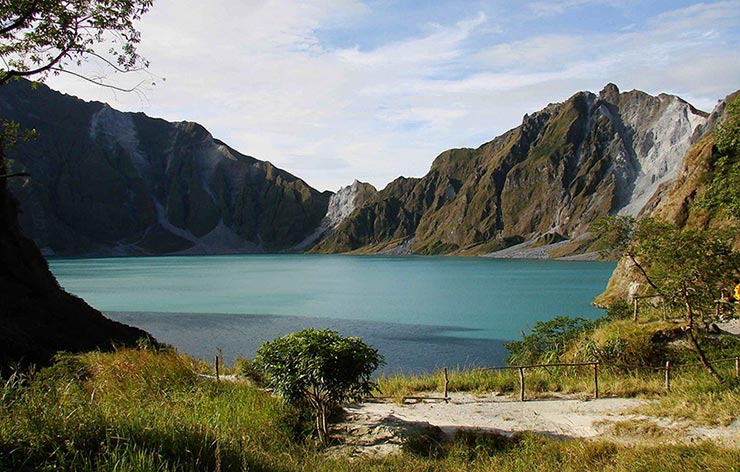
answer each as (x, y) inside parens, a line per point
(106, 182)
(555, 174)
(675, 203)
(37, 317)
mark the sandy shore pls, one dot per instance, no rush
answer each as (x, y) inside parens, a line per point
(379, 427)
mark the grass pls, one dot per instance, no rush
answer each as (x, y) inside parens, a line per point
(140, 407)
(700, 400)
(144, 410)
(539, 382)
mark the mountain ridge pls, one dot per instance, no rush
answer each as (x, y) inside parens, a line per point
(106, 182)
(676, 202)
(562, 168)
(114, 183)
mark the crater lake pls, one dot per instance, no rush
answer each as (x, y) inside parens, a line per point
(420, 312)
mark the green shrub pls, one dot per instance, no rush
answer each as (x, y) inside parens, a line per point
(548, 341)
(319, 369)
(624, 345)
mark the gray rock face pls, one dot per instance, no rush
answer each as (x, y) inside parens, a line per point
(344, 202)
(111, 183)
(656, 134)
(565, 166)
(341, 205)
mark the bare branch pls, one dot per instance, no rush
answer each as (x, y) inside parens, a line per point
(114, 66)
(102, 84)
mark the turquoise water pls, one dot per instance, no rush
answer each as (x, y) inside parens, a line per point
(239, 301)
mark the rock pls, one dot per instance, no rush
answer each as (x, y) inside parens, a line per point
(37, 317)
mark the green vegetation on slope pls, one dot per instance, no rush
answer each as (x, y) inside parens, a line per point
(722, 194)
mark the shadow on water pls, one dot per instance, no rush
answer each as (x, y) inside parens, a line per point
(407, 348)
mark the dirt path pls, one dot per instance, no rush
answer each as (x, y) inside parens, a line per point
(381, 427)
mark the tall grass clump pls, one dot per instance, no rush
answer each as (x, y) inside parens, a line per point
(140, 409)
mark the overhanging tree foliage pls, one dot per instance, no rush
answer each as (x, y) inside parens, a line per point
(38, 37)
(319, 369)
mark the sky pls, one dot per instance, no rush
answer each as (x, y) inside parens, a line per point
(337, 90)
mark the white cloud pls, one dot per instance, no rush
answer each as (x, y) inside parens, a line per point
(536, 52)
(557, 7)
(258, 75)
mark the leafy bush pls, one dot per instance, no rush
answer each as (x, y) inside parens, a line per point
(548, 340)
(624, 345)
(619, 310)
(319, 369)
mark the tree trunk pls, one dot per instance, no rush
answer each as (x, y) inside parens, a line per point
(694, 342)
(321, 427)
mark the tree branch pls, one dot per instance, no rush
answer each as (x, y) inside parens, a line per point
(644, 274)
(16, 174)
(102, 84)
(46, 67)
(114, 66)
(21, 19)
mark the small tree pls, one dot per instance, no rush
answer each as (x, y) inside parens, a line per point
(319, 369)
(688, 268)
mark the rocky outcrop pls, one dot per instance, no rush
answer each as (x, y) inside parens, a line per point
(105, 182)
(341, 205)
(551, 177)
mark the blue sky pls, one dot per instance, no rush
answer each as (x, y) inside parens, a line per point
(336, 90)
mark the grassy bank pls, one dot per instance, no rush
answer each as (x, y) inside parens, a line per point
(141, 410)
(631, 355)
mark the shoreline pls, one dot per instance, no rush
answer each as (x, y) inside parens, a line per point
(407, 348)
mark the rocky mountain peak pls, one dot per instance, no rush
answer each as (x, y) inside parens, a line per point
(562, 168)
(112, 183)
(610, 93)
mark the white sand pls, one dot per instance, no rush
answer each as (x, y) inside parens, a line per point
(560, 417)
(379, 427)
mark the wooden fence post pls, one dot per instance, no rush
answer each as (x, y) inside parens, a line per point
(634, 311)
(737, 367)
(596, 380)
(521, 384)
(447, 382)
(667, 376)
(215, 362)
